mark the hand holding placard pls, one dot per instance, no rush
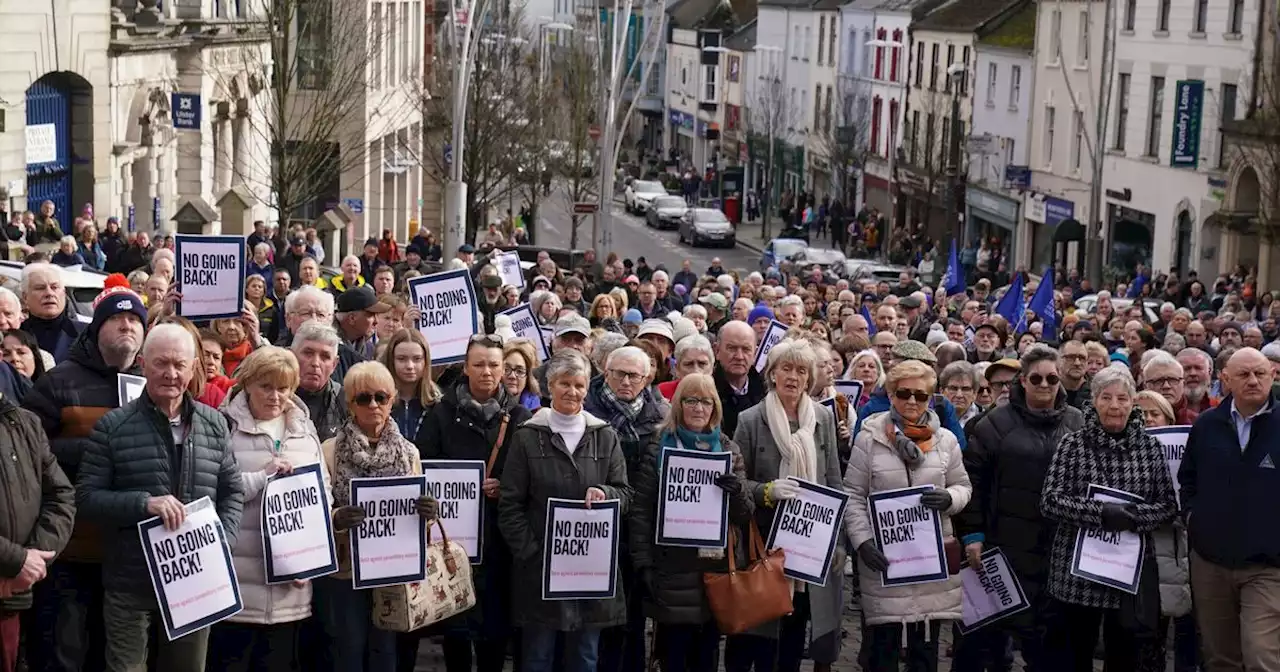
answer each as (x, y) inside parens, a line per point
(170, 510)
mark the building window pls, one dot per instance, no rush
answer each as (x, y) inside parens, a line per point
(893, 58)
(804, 107)
(1015, 86)
(313, 39)
(393, 37)
(1227, 114)
(709, 83)
(376, 75)
(1162, 16)
(880, 55)
(875, 125)
(951, 58)
(1049, 120)
(831, 43)
(866, 53)
(992, 69)
(1122, 109)
(1082, 49)
(1130, 14)
(1157, 116)
(919, 63)
(1077, 143)
(1235, 19)
(915, 134)
(808, 44)
(795, 43)
(826, 113)
(1055, 37)
(822, 31)
(817, 108)
(892, 147)
(1202, 15)
(933, 68)
(929, 148)
(964, 76)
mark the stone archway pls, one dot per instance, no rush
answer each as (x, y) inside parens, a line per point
(1185, 246)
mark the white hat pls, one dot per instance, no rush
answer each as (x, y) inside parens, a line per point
(659, 327)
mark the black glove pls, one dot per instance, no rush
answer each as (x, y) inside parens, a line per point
(1119, 517)
(347, 517)
(730, 483)
(428, 507)
(872, 557)
(936, 499)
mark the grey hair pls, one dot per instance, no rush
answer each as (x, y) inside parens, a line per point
(792, 351)
(1039, 353)
(263, 248)
(1185, 312)
(325, 298)
(790, 300)
(1174, 343)
(960, 369)
(349, 257)
(629, 352)
(31, 270)
(1160, 358)
(314, 331)
(1110, 376)
(569, 363)
(163, 253)
(6, 293)
(169, 332)
(1168, 304)
(67, 240)
(605, 345)
(660, 274)
(1104, 294)
(694, 310)
(696, 343)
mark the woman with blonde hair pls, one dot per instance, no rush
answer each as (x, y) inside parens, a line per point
(407, 356)
(255, 292)
(603, 307)
(519, 359)
(270, 434)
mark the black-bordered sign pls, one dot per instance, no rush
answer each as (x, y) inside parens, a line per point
(990, 595)
(191, 570)
(580, 550)
(129, 387)
(525, 325)
(808, 528)
(210, 275)
(457, 486)
(775, 333)
(692, 510)
(449, 318)
(389, 547)
(910, 536)
(1110, 558)
(851, 389)
(297, 528)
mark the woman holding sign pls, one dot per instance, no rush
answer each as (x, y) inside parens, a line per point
(672, 574)
(270, 435)
(563, 452)
(789, 435)
(1113, 450)
(905, 448)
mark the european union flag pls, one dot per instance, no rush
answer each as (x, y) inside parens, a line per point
(1042, 304)
(1012, 306)
(871, 324)
(954, 282)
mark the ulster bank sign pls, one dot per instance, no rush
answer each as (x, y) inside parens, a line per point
(1188, 103)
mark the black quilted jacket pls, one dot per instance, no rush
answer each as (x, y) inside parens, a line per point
(131, 458)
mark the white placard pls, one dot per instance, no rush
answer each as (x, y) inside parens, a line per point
(775, 333)
(42, 146)
(580, 550)
(1111, 558)
(297, 531)
(525, 324)
(548, 336)
(910, 536)
(129, 388)
(191, 570)
(852, 390)
(449, 319)
(1174, 441)
(389, 547)
(210, 272)
(456, 484)
(508, 264)
(991, 594)
(808, 528)
(692, 509)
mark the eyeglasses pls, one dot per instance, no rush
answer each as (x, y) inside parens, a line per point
(369, 399)
(627, 375)
(517, 371)
(1167, 381)
(1000, 384)
(958, 389)
(313, 314)
(1074, 358)
(985, 389)
(907, 395)
(698, 401)
(1038, 380)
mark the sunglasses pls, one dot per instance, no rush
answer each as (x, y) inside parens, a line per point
(490, 340)
(368, 399)
(907, 395)
(1038, 380)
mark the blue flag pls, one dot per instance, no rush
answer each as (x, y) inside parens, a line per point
(1042, 304)
(954, 282)
(1012, 306)
(871, 324)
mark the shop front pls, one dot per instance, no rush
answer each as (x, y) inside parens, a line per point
(1131, 236)
(681, 133)
(1045, 213)
(991, 217)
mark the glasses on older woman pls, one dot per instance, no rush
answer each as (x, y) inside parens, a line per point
(515, 371)
(906, 395)
(698, 401)
(372, 398)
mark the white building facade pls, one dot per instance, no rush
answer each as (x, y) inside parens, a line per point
(778, 77)
(821, 119)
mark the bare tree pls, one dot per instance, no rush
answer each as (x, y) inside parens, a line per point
(771, 115)
(926, 146)
(576, 108)
(844, 130)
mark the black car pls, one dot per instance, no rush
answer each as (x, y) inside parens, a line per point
(706, 225)
(665, 212)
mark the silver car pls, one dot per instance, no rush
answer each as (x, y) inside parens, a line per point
(706, 225)
(665, 212)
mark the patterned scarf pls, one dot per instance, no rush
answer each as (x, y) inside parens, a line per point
(911, 440)
(1098, 438)
(623, 420)
(354, 458)
(691, 440)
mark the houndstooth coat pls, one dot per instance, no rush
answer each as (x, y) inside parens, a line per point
(1132, 461)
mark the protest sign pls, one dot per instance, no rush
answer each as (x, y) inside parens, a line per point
(389, 547)
(910, 536)
(210, 272)
(851, 389)
(580, 550)
(456, 484)
(508, 264)
(991, 594)
(692, 509)
(448, 305)
(1111, 558)
(772, 335)
(191, 570)
(548, 337)
(830, 403)
(297, 532)
(808, 529)
(1174, 441)
(129, 387)
(526, 326)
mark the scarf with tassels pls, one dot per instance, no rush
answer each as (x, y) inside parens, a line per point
(912, 440)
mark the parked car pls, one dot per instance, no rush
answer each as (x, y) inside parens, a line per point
(665, 212)
(639, 194)
(706, 225)
(829, 260)
(82, 285)
(856, 269)
(779, 248)
(1150, 307)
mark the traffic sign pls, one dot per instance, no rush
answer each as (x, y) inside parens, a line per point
(594, 131)
(585, 208)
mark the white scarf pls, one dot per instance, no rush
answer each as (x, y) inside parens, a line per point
(799, 450)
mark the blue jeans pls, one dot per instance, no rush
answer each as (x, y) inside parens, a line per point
(346, 614)
(581, 649)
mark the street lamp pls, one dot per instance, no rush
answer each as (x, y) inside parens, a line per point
(893, 148)
(545, 25)
(956, 72)
(455, 192)
(767, 197)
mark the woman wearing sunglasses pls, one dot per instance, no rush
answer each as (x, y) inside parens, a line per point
(476, 420)
(368, 445)
(905, 447)
(1007, 458)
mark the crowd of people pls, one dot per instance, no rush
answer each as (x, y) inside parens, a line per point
(1011, 418)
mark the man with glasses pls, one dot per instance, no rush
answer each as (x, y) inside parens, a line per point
(1164, 375)
(304, 304)
(1000, 377)
(356, 318)
(883, 343)
(1075, 370)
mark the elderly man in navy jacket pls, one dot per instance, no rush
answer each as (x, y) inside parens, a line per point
(1229, 475)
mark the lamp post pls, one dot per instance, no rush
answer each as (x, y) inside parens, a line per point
(893, 142)
(956, 72)
(455, 191)
(545, 25)
(771, 126)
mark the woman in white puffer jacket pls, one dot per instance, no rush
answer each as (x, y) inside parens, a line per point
(271, 432)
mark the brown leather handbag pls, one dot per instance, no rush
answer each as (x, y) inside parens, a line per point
(742, 600)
